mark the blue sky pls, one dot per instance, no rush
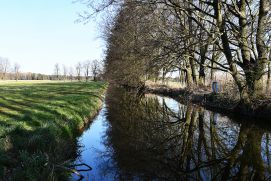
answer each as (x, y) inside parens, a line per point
(39, 33)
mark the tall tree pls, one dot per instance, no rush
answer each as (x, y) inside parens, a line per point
(71, 73)
(16, 71)
(87, 67)
(4, 67)
(95, 69)
(65, 71)
(78, 69)
(190, 36)
(57, 71)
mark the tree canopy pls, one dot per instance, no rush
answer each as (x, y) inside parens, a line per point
(194, 37)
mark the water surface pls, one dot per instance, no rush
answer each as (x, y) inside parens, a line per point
(156, 138)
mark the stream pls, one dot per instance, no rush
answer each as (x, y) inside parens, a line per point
(156, 138)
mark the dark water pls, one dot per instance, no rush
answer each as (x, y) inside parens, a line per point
(157, 138)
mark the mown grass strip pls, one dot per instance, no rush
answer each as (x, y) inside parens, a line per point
(39, 123)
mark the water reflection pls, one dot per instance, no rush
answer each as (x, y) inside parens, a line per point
(156, 138)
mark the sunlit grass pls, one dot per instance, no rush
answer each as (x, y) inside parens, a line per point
(38, 117)
(17, 82)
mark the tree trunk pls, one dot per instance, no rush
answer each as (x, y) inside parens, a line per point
(264, 8)
(254, 70)
(193, 70)
(182, 76)
(203, 51)
(189, 78)
(220, 21)
(212, 68)
(268, 77)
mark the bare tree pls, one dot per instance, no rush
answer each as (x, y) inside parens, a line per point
(78, 69)
(95, 69)
(65, 71)
(87, 66)
(17, 71)
(191, 36)
(57, 71)
(4, 66)
(71, 74)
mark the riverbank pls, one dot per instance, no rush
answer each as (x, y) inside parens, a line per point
(39, 123)
(260, 109)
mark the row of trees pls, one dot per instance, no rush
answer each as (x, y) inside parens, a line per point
(82, 70)
(9, 71)
(150, 38)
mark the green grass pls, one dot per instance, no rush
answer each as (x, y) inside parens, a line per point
(39, 123)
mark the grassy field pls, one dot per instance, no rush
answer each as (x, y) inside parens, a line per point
(39, 122)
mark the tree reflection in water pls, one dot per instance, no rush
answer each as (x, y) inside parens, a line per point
(156, 138)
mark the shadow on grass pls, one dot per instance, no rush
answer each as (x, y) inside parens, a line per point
(39, 124)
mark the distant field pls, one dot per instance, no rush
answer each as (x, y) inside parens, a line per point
(39, 121)
(33, 81)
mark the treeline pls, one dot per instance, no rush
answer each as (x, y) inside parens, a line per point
(148, 39)
(11, 71)
(86, 70)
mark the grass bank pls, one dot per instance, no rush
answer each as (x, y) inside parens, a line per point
(39, 123)
(259, 110)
